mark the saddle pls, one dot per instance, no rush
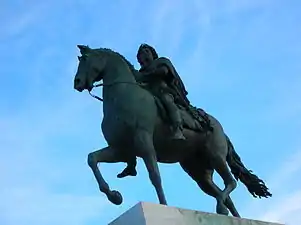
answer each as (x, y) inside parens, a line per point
(193, 118)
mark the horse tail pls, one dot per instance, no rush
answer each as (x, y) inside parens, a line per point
(255, 185)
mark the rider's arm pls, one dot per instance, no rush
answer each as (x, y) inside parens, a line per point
(161, 71)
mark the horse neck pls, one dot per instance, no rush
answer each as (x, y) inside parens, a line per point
(117, 71)
(118, 81)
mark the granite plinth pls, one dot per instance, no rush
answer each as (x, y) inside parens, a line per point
(154, 214)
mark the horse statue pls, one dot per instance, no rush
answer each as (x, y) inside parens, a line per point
(133, 127)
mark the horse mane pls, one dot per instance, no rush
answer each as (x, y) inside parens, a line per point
(110, 51)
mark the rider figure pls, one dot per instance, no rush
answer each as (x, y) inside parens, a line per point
(161, 77)
(164, 82)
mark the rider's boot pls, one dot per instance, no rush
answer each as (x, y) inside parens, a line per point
(130, 169)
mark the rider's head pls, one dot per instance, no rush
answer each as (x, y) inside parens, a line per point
(146, 54)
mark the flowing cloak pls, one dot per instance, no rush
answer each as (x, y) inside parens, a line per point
(174, 80)
(177, 88)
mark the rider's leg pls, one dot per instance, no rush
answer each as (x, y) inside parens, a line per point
(130, 169)
(174, 115)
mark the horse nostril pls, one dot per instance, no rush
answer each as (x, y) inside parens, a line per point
(76, 81)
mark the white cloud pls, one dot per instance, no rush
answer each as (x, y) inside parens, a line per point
(32, 170)
(169, 24)
(286, 210)
(15, 22)
(284, 206)
(40, 184)
(286, 102)
(37, 205)
(289, 169)
(43, 168)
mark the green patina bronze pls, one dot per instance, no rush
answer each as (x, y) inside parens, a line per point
(146, 113)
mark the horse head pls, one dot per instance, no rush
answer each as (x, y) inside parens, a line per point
(90, 69)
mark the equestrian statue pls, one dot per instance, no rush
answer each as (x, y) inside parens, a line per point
(146, 114)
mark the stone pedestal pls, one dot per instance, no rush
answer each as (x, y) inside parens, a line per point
(155, 214)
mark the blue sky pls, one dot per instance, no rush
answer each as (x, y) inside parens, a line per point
(240, 61)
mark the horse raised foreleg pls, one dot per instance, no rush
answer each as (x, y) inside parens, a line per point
(145, 146)
(108, 155)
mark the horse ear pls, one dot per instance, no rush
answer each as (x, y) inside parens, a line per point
(83, 49)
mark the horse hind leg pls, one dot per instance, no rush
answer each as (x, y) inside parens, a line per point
(201, 172)
(205, 182)
(221, 167)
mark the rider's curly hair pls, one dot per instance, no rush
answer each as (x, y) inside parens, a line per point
(146, 46)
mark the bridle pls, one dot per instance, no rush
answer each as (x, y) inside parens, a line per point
(204, 117)
(95, 96)
(109, 85)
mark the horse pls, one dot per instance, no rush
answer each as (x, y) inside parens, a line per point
(132, 127)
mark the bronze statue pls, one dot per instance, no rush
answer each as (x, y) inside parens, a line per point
(163, 82)
(134, 125)
(162, 79)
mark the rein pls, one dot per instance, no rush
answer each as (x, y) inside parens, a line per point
(108, 85)
(95, 96)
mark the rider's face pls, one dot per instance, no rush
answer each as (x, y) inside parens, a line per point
(145, 57)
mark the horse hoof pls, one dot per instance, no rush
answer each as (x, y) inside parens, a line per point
(115, 197)
(222, 209)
